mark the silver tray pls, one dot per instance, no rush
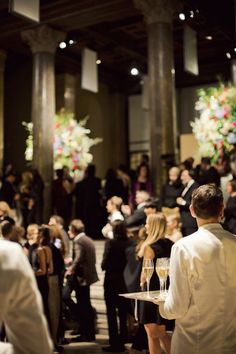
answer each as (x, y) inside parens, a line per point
(153, 296)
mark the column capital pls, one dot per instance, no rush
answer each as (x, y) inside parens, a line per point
(158, 11)
(43, 39)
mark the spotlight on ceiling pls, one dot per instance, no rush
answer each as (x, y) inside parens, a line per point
(209, 38)
(134, 71)
(191, 14)
(62, 45)
(235, 49)
(182, 16)
(71, 41)
(98, 61)
(228, 55)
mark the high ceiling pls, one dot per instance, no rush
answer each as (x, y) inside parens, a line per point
(117, 31)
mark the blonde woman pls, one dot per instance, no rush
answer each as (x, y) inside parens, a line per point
(113, 208)
(155, 246)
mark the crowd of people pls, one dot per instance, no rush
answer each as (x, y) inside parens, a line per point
(136, 226)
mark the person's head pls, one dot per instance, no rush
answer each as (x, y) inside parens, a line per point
(231, 187)
(174, 174)
(207, 204)
(7, 230)
(142, 197)
(11, 177)
(76, 226)
(44, 235)
(173, 223)
(4, 209)
(143, 171)
(56, 220)
(32, 233)
(119, 230)
(90, 170)
(114, 204)
(60, 173)
(27, 178)
(205, 163)
(151, 207)
(187, 176)
(156, 228)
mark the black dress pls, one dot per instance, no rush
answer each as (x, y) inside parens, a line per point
(230, 215)
(149, 312)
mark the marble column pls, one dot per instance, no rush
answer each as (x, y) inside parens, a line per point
(2, 69)
(43, 42)
(158, 15)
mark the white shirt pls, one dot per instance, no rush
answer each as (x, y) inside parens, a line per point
(20, 303)
(106, 230)
(202, 294)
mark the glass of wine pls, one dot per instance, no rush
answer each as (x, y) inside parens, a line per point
(147, 270)
(162, 269)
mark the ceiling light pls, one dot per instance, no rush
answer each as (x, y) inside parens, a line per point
(192, 14)
(62, 45)
(228, 55)
(134, 71)
(71, 41)
(235, 49)
(182, 16)
(209, 38)
(98, 61)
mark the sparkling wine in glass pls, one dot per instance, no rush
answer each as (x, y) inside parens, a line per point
(162, 269)
(147, 270)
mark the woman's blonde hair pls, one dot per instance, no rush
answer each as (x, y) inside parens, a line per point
(156, 231)
(4, 207)
(117, 201)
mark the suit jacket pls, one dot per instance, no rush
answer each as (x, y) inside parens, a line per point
(84, 264)
(138, 218)
(186, 218)
(202, 292)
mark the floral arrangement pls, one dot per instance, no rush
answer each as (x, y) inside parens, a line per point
(215, 129)
(71, 143)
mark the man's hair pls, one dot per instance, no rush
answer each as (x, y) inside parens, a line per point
(76, 226)
(6, 229)
(207, 201)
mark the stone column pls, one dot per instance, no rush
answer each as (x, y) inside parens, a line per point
(2, 69)
(43, 42)
(158, 16)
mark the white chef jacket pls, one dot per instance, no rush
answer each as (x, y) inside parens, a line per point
(202, 294)
(20, 303)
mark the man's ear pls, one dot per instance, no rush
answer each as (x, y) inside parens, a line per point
(192, 211)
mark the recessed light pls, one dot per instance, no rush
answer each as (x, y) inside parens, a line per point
(62, 45)
(182, 16)
(192, 14)
(209, 38)
(71, 41)
(98, 61)
(228, 55)
(134, 71)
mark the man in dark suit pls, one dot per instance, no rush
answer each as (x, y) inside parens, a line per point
(189, 224)
(83, 273)
(138, 218)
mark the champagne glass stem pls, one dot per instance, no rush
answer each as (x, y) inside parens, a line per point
(148, 283)
(136, 310)
(161, 286)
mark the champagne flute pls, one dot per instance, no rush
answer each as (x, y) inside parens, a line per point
(147, 270)
(162, 269)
